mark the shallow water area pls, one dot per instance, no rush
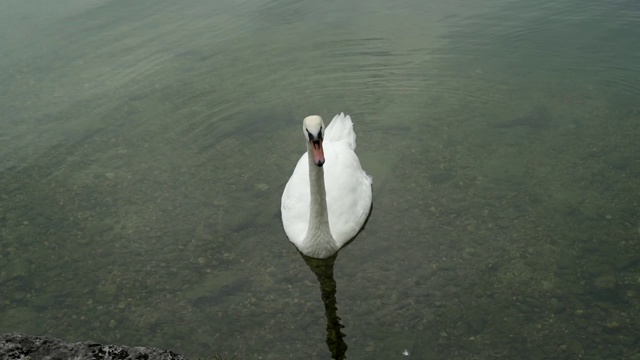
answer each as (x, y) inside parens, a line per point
(145, 147)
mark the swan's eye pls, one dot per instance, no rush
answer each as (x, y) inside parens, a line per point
(310, 135)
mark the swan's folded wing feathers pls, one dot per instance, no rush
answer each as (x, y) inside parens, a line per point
(348, 193)
(341, 129)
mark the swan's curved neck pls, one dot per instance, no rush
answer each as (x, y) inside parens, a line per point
(318, 233)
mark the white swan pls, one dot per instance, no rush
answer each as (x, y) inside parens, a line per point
(323, 207)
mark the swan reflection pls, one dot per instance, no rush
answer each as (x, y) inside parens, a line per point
(323, 269)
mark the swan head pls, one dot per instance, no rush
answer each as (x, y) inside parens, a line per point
(313, 128)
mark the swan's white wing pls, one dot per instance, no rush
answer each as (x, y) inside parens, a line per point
(348, 189)
(341, 129)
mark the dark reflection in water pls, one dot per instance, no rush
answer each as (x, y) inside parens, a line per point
(323, 269)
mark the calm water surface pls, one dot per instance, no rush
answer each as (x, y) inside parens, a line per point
(145, 146)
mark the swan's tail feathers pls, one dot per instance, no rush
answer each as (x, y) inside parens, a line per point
(341, 129)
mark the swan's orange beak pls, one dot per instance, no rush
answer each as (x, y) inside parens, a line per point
(318, 153)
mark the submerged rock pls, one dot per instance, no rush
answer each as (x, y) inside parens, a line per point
(25, 347)
(605, 283)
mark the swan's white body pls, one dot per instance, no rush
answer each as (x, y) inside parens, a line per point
(324, 206)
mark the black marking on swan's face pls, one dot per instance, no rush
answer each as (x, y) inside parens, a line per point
(315, 139)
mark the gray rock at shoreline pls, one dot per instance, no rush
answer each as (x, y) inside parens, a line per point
(25, 347)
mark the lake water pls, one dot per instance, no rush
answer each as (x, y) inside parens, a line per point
(145, 146)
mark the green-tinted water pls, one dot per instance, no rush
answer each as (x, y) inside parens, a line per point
(145, 146)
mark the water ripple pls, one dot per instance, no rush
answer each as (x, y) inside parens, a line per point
(555, 39)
